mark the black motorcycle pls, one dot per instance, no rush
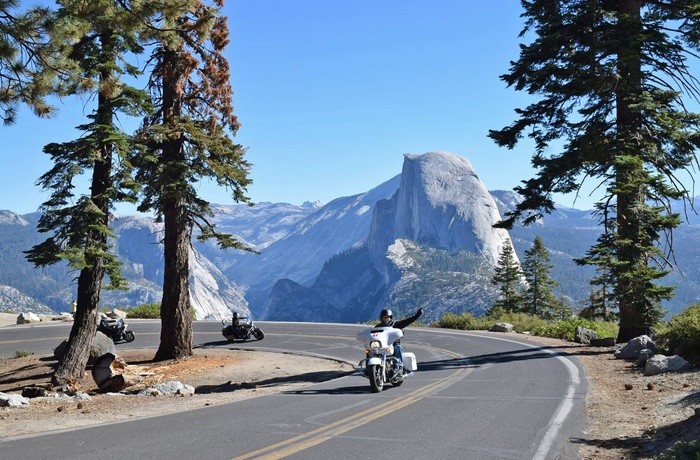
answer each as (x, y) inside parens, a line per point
(116, 330)
(241, 329)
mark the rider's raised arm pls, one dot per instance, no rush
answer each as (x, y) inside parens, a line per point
(407, 321)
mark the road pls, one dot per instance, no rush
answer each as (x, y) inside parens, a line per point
(475, 396)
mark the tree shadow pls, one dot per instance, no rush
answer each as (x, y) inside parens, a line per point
(653, 442)
(18, 377)
(308, 377)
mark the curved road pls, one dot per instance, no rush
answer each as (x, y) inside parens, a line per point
(475, 396)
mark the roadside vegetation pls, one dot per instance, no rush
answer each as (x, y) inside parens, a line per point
(679, 336)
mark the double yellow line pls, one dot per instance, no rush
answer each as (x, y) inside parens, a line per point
(304, 441)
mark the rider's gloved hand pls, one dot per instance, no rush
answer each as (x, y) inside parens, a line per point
(420, 311)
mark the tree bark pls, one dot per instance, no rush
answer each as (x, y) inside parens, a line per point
(74, 361)
(631, 193)
(175, 310)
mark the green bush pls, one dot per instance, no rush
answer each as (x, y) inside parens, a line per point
(146, 310)
(22, 353)
(463, 321)
(566, 329)
(522, 322)
(682, 451)
(681, 336)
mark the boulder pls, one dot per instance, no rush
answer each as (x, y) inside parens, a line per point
(117, 314)
(644, 356)
(502, 327)
(632, 349)
(584, 335)
(659, 364)
(101, 345)
(26, 318)
(172, 387)
(12, 400)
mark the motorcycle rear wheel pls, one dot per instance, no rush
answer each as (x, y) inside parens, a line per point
(376, 378)
(258, 334)
(129, 336)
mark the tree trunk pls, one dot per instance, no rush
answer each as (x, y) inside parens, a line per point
(175, 310)
(630, 192)
(74, 361)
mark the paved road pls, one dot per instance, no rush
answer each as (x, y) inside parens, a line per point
(474, 396)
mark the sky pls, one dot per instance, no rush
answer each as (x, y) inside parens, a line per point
(332, 94)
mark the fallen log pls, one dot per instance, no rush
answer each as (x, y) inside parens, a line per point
(108, 372)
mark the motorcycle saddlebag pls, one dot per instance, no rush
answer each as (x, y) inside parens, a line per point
(409, 362)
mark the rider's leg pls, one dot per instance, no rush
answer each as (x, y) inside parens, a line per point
(398, 352)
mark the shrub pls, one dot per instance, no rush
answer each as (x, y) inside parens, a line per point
(146, 310)
(681, 336)
(22, 353)
(522, 322)
(566, 329)
(682, 451)
(463, 321)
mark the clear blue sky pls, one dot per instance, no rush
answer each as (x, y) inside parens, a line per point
(331, 94)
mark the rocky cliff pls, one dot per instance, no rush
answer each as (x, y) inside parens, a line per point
(440, 210)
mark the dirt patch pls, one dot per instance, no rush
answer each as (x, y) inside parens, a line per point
(219, 376)
(631, 416)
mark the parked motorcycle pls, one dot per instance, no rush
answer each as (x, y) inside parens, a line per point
(116, 330)
(241, 329)
(380, 365)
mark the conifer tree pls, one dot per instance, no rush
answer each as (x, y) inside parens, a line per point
(30, 69)
(611, 79)
(538, 299)
(103, 34)
(188, 139)
(507, 276)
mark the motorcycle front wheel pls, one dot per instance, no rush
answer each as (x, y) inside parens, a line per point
(129, 336)
(258, 334)
(376, 378)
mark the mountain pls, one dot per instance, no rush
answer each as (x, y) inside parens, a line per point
(300, 250)
(430, 244)
(420, 239)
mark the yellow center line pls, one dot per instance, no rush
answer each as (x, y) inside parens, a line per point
(304, 441)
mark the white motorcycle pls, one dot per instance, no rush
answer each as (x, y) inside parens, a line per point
(380, 365)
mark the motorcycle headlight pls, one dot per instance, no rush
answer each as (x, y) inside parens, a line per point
(375, 345)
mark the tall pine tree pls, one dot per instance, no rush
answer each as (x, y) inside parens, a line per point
(538, 299)
(188, 139)
(611, 78)
(103, 34)
(507, 276)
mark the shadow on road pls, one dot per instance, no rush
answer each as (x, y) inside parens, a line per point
(308, 377)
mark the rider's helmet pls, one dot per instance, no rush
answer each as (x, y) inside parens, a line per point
(386, 312)
(235, 315)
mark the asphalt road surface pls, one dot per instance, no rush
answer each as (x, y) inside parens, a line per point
(474, 396)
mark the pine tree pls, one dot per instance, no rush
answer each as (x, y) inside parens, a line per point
(187, 140)
(30, 69)
(105, 32)
(538, 299)
(507, 275)
(611, 78)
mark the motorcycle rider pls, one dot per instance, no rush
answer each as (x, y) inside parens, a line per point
(235, 318)
(386, 317)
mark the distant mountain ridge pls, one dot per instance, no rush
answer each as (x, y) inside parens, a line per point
(422, 238)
